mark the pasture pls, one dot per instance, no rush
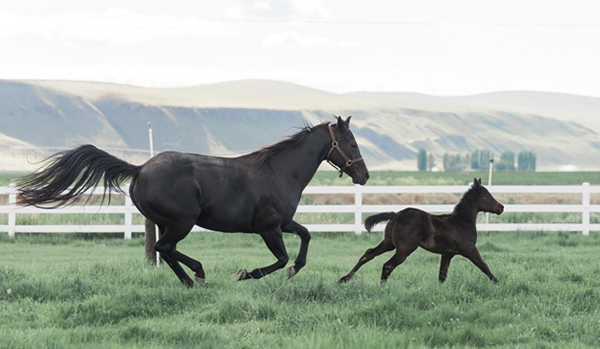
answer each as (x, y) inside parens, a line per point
(57, 291)
(96, 291)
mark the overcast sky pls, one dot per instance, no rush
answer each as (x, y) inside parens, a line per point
(435, 47)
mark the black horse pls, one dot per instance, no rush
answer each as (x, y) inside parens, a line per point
(254, 193)
(448, 234)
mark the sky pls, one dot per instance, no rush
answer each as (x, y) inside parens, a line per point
(435, 47)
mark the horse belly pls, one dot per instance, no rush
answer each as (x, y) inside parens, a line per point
(438, 243)
(224, 220)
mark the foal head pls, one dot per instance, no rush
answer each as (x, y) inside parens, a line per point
(484, 200)
(344, 153)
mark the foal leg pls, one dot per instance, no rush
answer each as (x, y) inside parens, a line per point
(302, 232)
(371, 253)
(474, 256)
(401, 253)
(274, 240)
(167, 244)
(444, 264)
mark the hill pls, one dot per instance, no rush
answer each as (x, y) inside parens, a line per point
(236, 117)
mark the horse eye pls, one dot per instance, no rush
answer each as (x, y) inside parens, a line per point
(353, 146)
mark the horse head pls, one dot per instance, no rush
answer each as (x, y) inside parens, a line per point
(485, 201)
(344, 154)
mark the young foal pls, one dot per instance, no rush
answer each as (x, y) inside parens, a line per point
(448, 234)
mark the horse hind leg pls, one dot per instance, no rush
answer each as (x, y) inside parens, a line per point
(173, 263)
(167, 244)
(371, 253)
(402, 252)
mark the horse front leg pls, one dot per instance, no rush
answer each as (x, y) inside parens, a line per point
(474, 256)
(274, 240)
(444, 264)
(295, 228)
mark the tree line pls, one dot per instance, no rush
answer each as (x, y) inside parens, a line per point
(478, 160)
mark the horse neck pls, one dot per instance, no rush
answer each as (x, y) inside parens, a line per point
(467, 208)
(299, 164)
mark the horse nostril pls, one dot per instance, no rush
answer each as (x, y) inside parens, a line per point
(366, 175)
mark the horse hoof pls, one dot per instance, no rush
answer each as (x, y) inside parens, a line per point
(240, 275)
(199, 280)
(343, 280)
(291, 271)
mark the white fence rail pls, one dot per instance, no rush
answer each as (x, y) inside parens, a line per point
(128, 209)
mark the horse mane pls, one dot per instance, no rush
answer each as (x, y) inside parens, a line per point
(266, 153)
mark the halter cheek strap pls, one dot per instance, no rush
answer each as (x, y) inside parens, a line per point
(336, 146)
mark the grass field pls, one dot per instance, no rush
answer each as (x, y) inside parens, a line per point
(89, 290)
(59, 292)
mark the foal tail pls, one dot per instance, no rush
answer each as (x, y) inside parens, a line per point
(376, 218)
(80, 169)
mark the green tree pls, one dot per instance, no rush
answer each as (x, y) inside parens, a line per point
(527, 161)
(507, 161)
(480, 160)
(422, 160)
(430, 162)
(456, 162)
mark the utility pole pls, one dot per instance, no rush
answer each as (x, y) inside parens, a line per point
(151, 233)
(487, 215)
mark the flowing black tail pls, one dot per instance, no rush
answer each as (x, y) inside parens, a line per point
(376, 218)
(66, 175)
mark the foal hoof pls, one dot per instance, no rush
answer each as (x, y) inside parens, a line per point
(343, 280)
(199, 280)
(240, 275)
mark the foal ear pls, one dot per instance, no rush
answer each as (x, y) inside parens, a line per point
(475, 183)
(479, 181)
(348, 120)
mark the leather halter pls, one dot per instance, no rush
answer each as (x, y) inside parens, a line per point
(336, 146)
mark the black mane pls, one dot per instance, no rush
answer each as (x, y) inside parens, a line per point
(465, 200)
(297, 139)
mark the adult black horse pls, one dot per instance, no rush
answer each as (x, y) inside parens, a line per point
(254, 193)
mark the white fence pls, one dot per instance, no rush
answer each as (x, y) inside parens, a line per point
(585, 208)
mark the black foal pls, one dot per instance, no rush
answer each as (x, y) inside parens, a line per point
(448, 234)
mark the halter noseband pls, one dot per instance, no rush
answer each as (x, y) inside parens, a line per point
(336, 146)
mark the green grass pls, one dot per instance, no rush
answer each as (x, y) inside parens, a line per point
(70, 292)
(94, 290)
(463, 178)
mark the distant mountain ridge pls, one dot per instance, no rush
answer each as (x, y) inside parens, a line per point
(240, 116)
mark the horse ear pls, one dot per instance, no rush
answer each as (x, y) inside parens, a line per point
(342, 125)
(479, 181)
(348, 120)
(475, 183)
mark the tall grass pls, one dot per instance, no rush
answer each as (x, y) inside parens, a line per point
(67, 292)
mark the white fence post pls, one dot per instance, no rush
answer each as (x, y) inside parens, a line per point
(358, 209)
(12, 206)
(128, 216)
(585, 214)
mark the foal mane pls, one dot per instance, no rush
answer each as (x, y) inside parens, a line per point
(462, 200)
(266, 153)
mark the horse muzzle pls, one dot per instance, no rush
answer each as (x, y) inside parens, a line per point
(362, 180)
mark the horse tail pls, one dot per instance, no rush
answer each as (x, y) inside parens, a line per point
(371, 221)
(67, 175)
